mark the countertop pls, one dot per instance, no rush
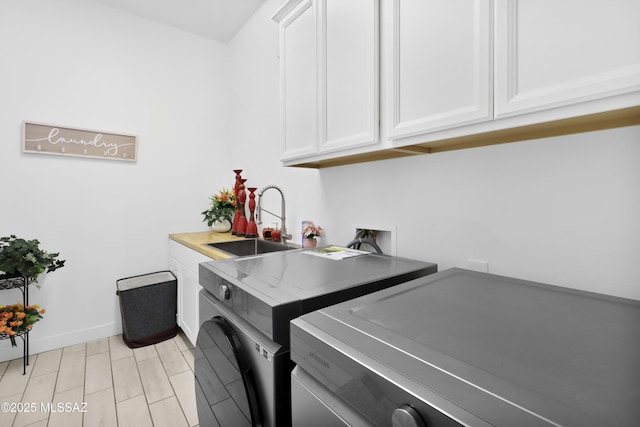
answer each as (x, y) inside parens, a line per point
(198, 242)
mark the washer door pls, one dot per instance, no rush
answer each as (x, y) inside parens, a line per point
(226, 393)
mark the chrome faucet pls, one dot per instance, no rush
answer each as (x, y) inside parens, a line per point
(283, 232)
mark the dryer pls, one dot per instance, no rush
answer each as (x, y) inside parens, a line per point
(462, 348)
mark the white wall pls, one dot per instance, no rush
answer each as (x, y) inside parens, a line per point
(560, 210)
(76, 63)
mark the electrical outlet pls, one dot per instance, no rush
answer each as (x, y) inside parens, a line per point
(478, 265)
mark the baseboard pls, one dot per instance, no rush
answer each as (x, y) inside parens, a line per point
(43, 344)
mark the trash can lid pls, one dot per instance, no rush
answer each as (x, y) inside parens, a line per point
(144, 280)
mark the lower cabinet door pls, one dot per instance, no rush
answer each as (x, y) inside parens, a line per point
(188, 308)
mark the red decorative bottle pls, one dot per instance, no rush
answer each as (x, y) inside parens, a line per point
(236, 189)
(242, 220)
(252, 227)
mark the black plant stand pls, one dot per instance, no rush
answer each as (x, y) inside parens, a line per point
(22, 283)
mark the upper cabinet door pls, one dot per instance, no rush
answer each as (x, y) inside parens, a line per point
(556, 53)
(438, 70)
(298, 79)
(348, 73)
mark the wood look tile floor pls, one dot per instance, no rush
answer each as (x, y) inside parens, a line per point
(101, 383)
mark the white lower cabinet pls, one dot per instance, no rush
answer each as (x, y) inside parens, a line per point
(183, 263)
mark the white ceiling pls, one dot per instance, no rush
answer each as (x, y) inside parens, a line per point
(215, 19)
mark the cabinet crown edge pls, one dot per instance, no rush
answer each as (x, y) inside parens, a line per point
(285, 9)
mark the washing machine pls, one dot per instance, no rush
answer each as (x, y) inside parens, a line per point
(242, 357)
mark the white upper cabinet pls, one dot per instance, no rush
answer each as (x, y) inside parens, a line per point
(557, 53)
(438, 58)
(298, 111)
(329, 75)
(451, 73)
(348, 83)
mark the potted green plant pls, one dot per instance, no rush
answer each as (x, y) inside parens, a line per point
(220, 214)
(20, 257)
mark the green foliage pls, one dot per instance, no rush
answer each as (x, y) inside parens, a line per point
(17, 319)
(223, 206)
(25, 258)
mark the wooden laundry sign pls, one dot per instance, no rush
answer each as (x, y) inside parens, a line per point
(48, 139)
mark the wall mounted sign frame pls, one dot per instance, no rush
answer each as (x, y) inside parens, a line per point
(51, 139)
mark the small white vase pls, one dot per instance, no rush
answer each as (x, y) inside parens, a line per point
(221, 226)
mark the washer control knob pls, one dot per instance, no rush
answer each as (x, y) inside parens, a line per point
(224, 292)
(406, 416)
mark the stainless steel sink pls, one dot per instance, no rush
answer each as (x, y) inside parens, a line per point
(248, 247)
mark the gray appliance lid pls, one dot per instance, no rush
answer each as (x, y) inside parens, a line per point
(292, 276)
(567, 357)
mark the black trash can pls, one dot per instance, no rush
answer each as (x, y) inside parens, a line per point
(148, 304)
